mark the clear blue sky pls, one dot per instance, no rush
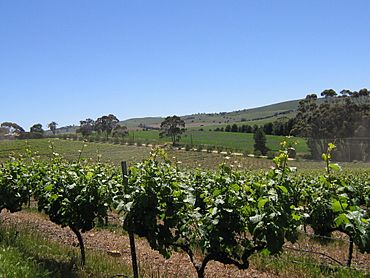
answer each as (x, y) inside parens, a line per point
(69, 60)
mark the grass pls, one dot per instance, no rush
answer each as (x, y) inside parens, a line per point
(26, 253)
(305, 258)
(291, 265)
(232, 140)
(13, 264)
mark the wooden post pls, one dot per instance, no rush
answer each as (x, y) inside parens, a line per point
(130, 233)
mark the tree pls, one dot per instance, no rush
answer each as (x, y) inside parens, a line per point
(282, 126)
(234, 128)
(53, 127)
(336, 119)
(328, 93)
(86, 127)
(106, 124)
(247, 129)
(172, 127)
(345, 92)
(37, 128)
(364, 92)
(12, 129)
(267, 128)
(254, 128)
(120, 131)
(260, 141)
(36, 131)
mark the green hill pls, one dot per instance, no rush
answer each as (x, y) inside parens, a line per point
(249, 116)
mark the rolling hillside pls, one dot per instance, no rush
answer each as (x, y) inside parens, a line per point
(255, 115)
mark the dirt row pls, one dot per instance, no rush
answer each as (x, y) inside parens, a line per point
(150, 262)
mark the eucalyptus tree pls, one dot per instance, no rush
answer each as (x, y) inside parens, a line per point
(12, 129)
(53, 127)
(120, 131)
(172, 127)
(106, 124)
(86, 127)
(342, 119)
(36, 131)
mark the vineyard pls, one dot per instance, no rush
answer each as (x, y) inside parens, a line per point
(225, 215)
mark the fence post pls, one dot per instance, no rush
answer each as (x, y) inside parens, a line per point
(130, 233)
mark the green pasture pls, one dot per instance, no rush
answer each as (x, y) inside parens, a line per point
(231, 140)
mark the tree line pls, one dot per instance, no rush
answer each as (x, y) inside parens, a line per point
(107, 125)
(342, 118)
(281, 127)
(13, 130)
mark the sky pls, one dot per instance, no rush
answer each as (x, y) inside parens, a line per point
(69, 60)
